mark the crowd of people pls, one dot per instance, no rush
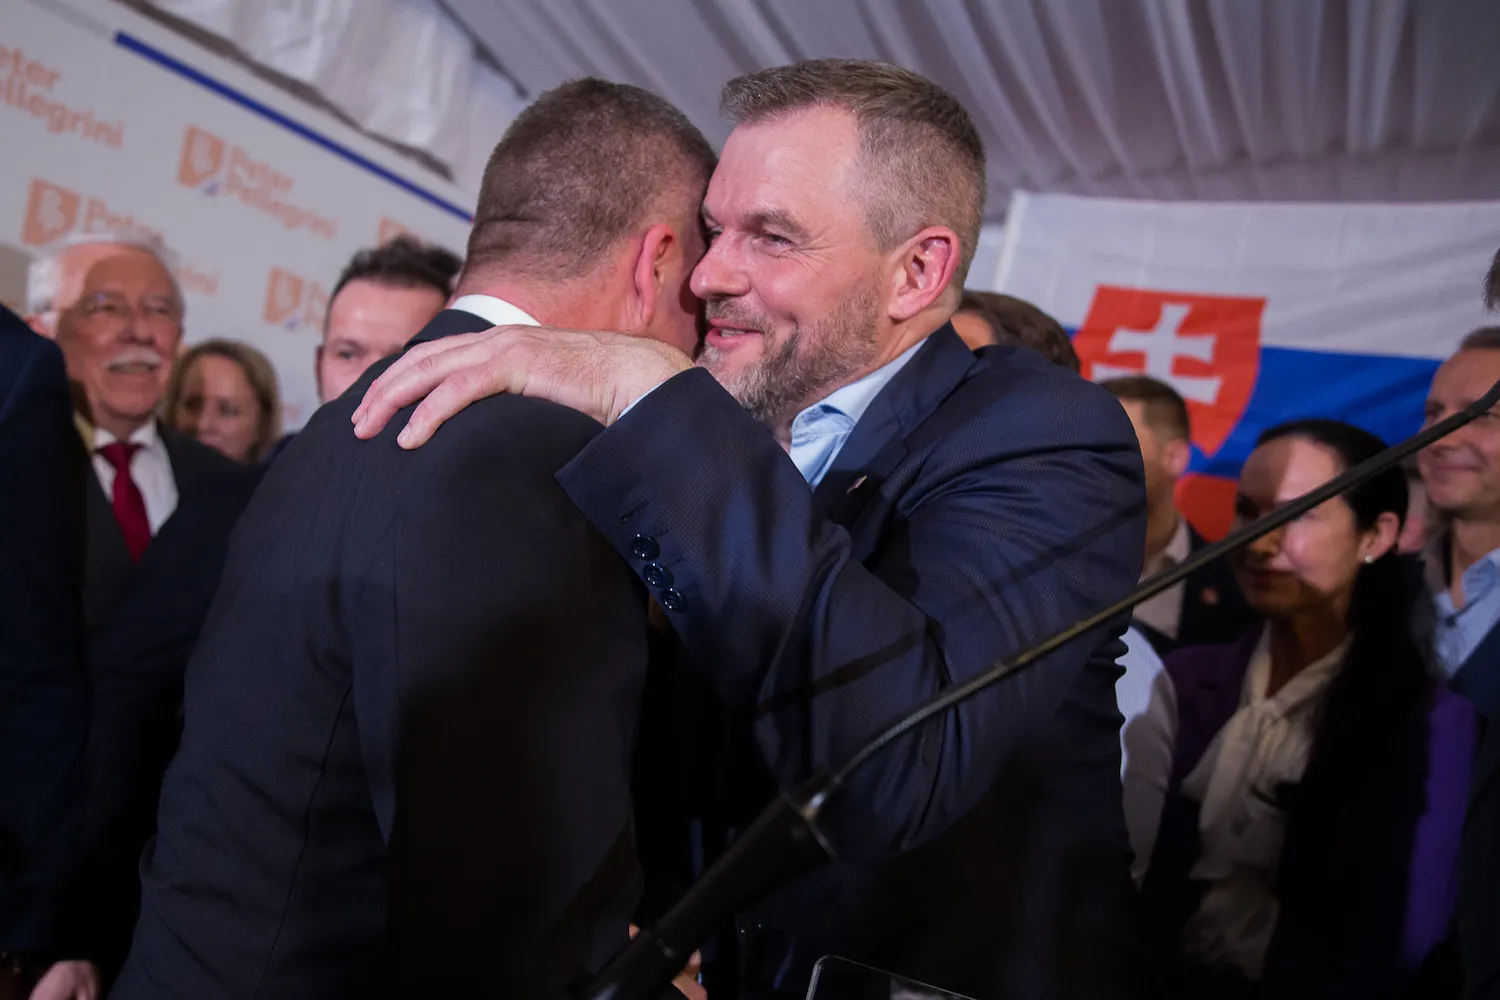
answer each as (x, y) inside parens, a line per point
(695, 473)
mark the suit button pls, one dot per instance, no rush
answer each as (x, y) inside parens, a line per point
(644, 547)
(673, 601)
(657, 576)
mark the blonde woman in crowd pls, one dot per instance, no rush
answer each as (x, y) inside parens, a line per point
(224, 393)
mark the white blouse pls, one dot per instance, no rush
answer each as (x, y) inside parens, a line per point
(1265, 744)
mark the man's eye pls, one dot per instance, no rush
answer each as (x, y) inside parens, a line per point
(711, 235)
(775, 241)
(346, 354)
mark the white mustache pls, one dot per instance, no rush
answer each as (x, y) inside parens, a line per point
(136, 356)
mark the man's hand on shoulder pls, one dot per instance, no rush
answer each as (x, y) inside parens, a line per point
(599, 374)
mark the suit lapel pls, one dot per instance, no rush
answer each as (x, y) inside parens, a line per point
(878, 442)
(186, 465)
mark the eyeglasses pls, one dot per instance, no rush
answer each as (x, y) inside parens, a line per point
(116, 308)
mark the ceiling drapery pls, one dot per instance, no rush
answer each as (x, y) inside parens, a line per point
(1288, 100)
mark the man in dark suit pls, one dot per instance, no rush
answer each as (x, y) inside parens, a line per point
(136, 663)
(1207, 607)
(110, 301)
(395, 777)
(1462, 476)
(962, 507)
(42, 720)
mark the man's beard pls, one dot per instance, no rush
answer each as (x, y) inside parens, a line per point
(808, 365)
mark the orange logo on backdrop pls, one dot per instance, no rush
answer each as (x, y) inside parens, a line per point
(202, 157)
(1207, 347)
(292, 302)
(53, 211)
(222, 169)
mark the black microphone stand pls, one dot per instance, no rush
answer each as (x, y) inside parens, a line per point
(785, 840)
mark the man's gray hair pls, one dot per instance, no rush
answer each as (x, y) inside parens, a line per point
(44, 276)
(922, 157)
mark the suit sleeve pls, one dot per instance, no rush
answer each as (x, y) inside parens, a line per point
(497, 694)
(42, 721)
(1038, 523)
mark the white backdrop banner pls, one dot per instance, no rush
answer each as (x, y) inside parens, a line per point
(1257, 313)
(108, 120)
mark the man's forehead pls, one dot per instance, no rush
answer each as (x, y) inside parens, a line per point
(116, 264)
(1472, 371)
(803, 156)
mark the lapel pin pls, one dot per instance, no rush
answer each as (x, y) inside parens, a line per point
(1209, 596)
(856, 484)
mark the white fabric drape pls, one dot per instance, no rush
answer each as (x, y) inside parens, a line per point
(1286, 100)
(401, 69)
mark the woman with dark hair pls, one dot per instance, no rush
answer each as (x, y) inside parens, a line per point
(1318, 772)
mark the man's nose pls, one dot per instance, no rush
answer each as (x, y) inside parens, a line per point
(719, 274)
(134, 331)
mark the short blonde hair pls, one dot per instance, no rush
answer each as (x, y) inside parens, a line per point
(258, 372)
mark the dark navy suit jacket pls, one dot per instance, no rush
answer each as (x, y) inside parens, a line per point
(404, 767)
(136, 663)
(982, 503)
(42, 713)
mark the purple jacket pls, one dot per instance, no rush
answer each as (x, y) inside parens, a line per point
(1395, 874)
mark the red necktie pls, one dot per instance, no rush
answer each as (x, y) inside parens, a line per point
(130, 506)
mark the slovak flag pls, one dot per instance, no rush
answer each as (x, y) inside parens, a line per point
(1256, 313)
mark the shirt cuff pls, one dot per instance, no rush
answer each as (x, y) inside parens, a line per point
(636, 401)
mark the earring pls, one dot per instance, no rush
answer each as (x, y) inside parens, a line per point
(1369, 559)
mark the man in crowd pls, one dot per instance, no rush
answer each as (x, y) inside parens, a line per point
(1206, 607)
(42, 713)
(396, 777)
(384, 297)
(1478, 909)
(112, 304)
(843, 511)
(1462, 475)
(986, 318)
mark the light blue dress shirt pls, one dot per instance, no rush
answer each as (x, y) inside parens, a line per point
(819, 432)
(1460, 630)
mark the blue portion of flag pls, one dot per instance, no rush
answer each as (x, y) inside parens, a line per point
(1384, 394)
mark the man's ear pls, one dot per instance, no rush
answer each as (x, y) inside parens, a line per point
(926, 265)
(1176, 456)
(658, 248)
(318, 371)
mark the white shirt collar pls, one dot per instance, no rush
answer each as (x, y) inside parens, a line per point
(496, 310)
(146, 435)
